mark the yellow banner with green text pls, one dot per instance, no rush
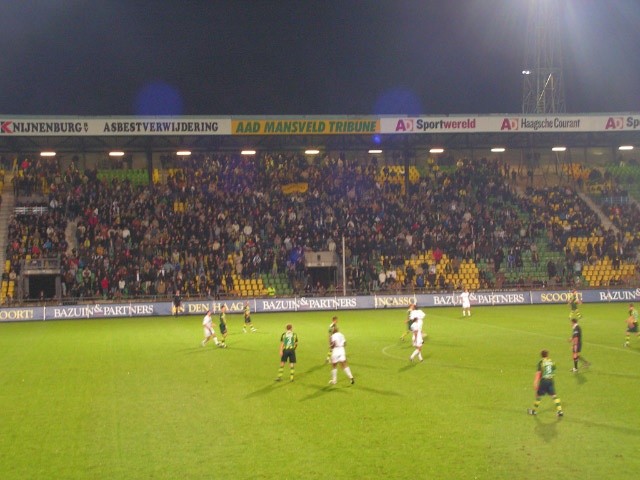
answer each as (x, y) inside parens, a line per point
(305, 127)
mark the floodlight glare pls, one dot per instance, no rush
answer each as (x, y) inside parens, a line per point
(248, 152)
(312, 152)
(116, 153)
(526, 72)
(436, 150)
(497, 150)
(625, 147)
(47, 154)
(559, 149)
(183, 153)
(375, 151)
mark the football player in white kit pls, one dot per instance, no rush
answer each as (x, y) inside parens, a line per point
(208, 329)
(338, 355)
(417, 316)
(466, 303)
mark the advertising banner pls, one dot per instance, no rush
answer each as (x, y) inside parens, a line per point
(588, 296)
(306, 126)
(21, 314)
(509, 124)
(310, 304)
(112, 126)
(106, 310)
(296, 304)
(12, 125)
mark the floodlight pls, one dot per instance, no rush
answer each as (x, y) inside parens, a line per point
(559, 149)
(312, 152)
(526, 72)
(375, 151)
(436, 150)
(116, 153)
(248, 152)
(497, 150)
(625, 147)
(183, 153)
(48, 154)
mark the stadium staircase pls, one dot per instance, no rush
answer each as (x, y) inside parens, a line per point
(6, 210)
(606, 222)
(70, 235)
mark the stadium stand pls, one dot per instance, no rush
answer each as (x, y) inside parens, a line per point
(227, 225)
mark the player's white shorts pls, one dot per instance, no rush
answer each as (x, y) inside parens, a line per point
(466, 304)
(338, 355)
(208, 332)
(417, 342)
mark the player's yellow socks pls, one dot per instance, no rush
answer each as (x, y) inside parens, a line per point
(291, 372)
(280, 370)
(558, 403)
(628, 337)
(536, 404)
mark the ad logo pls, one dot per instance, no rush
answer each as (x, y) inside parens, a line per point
(405, 125)
(5, 127)
(510, 124)
(615, 123)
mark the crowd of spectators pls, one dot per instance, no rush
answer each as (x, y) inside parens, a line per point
(220, 215)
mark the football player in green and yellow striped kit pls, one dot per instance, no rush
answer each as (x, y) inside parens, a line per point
(574, 301)
(543, 384)
(288, 345)
(632, 324)
(223, 327)
(247, 319)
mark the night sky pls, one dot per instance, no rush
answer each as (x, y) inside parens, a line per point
(98, 57)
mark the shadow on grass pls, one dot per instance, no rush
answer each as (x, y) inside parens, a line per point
(547, 431)
(580, 378)
(415, 363)
(309, 370)
(436, 343)
(320, 391)
(388, 393)
(408, 366)
(376, 367)
(266, 389)
(588, 423)
(611, 374)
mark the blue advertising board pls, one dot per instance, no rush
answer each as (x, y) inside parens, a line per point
(310, 304)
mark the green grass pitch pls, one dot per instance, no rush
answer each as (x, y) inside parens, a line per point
(141, 398)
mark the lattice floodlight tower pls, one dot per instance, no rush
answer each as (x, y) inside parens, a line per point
(543, 85)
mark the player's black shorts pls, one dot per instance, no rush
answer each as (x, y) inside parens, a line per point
(546, 388)
(247, 319)
(633, 329)
(223, 328)
(289, 355)
(577, 347)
